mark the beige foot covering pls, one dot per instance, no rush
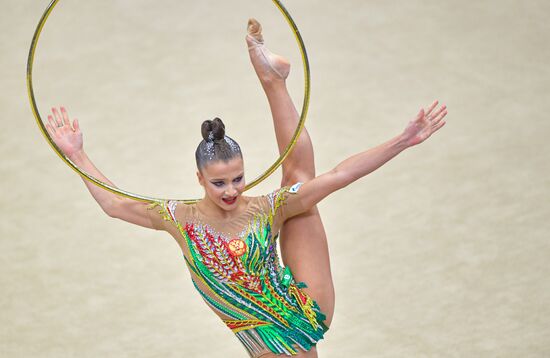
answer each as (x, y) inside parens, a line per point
(268, 66)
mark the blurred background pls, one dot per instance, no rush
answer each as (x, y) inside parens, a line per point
(442, 252)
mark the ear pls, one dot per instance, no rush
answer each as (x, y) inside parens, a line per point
(200, 178)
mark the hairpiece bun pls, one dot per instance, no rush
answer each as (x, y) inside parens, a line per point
(216, 145)
(213, 130)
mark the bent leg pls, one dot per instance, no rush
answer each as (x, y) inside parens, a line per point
(304, 246)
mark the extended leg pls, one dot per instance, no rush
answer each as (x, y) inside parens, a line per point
(303, 240)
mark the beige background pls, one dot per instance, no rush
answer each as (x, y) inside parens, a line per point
(443, 252)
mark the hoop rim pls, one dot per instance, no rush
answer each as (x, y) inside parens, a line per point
(144, 198)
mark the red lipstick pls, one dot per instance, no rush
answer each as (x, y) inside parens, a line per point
(230, 201)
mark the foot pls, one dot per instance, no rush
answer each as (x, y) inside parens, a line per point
(269, 67)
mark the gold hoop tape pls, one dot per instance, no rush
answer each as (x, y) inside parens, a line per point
(259, 179)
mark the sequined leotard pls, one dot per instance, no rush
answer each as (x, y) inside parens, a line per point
(235, 267)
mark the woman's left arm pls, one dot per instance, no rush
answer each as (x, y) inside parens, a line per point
(361, 164)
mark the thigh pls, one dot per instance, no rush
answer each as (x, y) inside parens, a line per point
(304, 249)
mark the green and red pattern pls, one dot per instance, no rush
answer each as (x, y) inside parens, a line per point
(246, 284)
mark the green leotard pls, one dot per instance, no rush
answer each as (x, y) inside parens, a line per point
(235, 267)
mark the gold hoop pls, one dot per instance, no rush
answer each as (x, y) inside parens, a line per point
(268, 172)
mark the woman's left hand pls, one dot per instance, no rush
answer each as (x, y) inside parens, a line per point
(425, 124)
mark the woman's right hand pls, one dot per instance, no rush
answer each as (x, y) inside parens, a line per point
(67, 138)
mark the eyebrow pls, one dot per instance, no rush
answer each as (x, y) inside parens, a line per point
(213, 180)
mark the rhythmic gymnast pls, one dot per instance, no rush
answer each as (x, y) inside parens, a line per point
(229, 241)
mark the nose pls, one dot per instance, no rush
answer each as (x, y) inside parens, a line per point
(231, 191)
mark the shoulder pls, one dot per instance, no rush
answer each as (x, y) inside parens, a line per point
(171, 210)
(279, 196)
(284, 191)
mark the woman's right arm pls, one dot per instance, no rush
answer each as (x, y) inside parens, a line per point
(69, 140)
(115, 206)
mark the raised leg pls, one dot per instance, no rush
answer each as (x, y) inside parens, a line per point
(304, 245)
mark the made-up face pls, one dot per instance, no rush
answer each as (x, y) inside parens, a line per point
(223, 182)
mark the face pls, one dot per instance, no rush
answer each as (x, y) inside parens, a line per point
(223, 182)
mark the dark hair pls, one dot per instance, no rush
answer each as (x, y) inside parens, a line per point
(215, 144)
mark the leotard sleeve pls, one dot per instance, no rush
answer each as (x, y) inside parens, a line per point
(285, 203)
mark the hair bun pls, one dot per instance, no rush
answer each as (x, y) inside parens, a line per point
(214, 127)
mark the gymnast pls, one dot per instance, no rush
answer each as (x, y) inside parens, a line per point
(229, 241)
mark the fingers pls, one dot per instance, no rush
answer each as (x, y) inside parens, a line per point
(439, 125)
(50, 130)
(431, 107)
(420, 114)
(65, 117)
(57, 117)
(438, 122)
(433, 115)
(439, 111)
(52, 125)
(439, 115)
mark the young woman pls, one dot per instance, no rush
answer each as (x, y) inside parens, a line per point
(229, 240)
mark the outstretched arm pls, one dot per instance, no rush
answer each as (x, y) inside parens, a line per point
(361, 164)
(69, 140)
